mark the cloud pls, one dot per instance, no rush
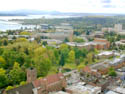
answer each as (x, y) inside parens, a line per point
(90, 6)
(106, 1)
(109, 6)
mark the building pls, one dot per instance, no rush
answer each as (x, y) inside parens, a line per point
(98, 43)
(45, 27)
(104, 66)
(105, 54)
(118, 89)
(60, 92)
(111, 92)
(103, 41)
(80, 88)
(10, 37)
(118, 28)
(52, 41)
(61, 33)
(25, 89)
(51, 83)
(121, 42)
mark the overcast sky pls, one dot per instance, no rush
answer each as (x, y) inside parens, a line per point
(86, 6)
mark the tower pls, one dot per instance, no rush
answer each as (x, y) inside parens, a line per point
(31, 74)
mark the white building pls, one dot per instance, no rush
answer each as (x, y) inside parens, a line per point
(83, 89)
(118, 28)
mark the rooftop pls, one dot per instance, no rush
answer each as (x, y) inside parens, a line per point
(81, 89)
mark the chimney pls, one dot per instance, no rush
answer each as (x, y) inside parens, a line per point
(31, 75)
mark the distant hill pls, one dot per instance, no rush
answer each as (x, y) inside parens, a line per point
(27, 12)
(24, 12)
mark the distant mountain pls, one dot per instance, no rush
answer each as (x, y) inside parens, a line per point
(25, 12)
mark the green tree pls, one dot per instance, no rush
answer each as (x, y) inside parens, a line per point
(5, 42)
(71, 57)
(112, 72)
(43, 65)
(16, 74)
(66, 40)
(44, 43)
(78, 40)
(23, 83)
(62, 60)
(90, 58)
(2, 62)
(9, 87)
(3, 78)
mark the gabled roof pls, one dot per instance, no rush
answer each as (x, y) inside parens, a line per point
(25, 89)
(47, 80)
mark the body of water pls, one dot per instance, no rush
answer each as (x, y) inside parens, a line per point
(6, 25)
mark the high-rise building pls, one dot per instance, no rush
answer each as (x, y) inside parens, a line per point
(118, 27)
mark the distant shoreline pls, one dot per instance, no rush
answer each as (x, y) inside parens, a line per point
(13, 15)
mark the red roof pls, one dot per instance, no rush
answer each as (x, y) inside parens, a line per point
(87, 69)
(53, 78)
(47, 80)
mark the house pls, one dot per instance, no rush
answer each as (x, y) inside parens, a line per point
(25, 89)
(61, 33)
(105, 54)
(102, 41)
(111, 92)
(118, 89)
(99, 34)
(50, 83)
(60, 92)
(44, 85)
(83, 89)
(121, 42)
(52, 41)
(116, 28)
(90, 45)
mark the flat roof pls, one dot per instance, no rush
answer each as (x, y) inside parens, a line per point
(111, 92)
(119, 90)
(106, 53)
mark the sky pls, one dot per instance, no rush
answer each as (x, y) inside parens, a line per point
(82, 6)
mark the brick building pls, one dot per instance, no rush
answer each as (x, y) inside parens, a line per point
(50, 83)
(103, 41)
(45, 85)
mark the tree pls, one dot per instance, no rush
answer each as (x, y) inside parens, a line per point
(112, 72)
(16, 74)
(2, 62)
(3, 78)
(44, 43)
(66, 40)
(12, 56)
(79, 40)
(5, 42)
(25, 33)
(71, 57)
(90, 58)
(38, 39)
(9, 87)
(23, 83)
(43, 65)
(62, 60)
(21, 40)
(64, 50)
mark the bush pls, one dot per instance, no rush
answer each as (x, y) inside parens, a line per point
(9, 87)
